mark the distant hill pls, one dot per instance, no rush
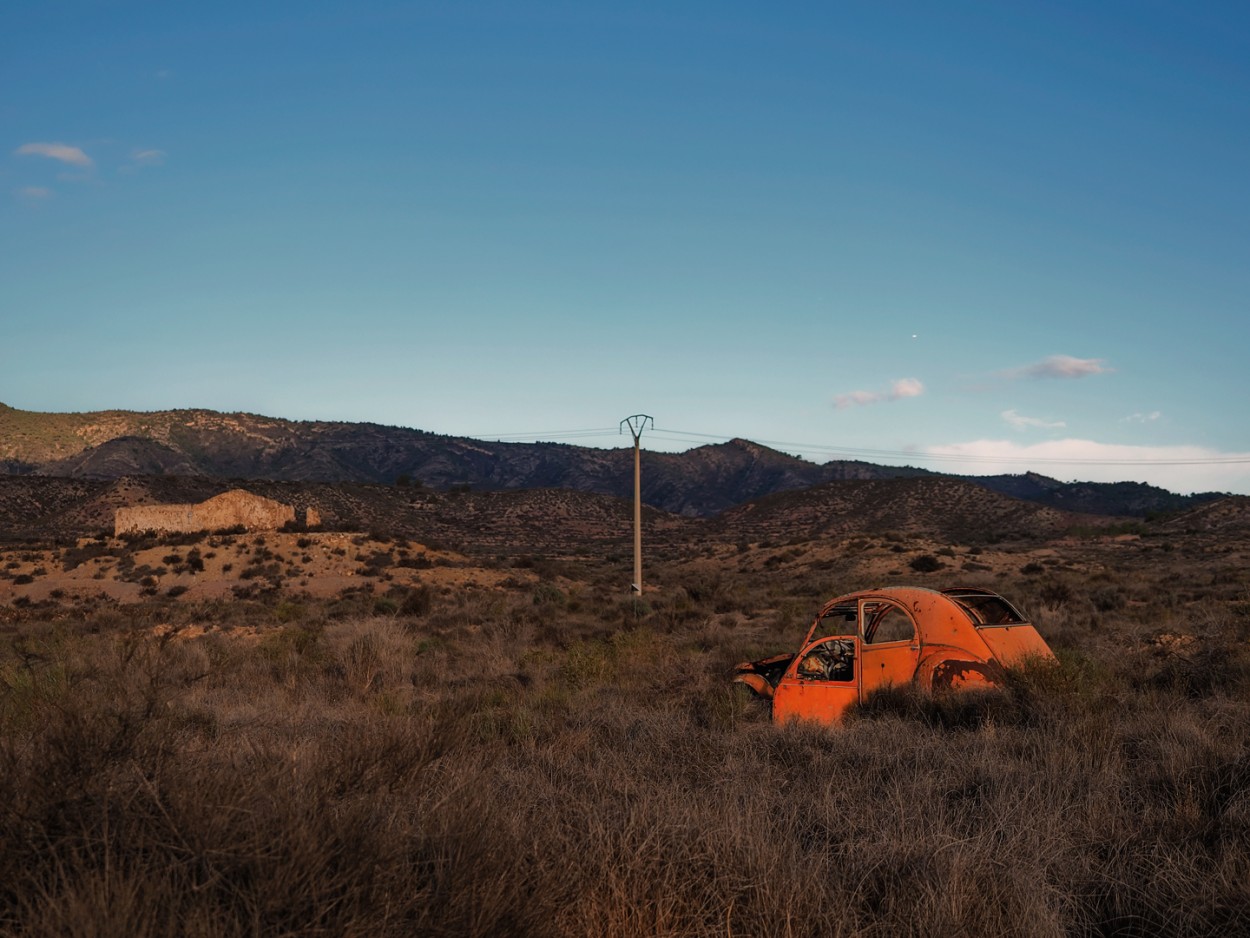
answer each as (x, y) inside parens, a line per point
(1100, 498)
(1227, 516)
(700, 482)
(549, 521)
(950, 509)
(561, 522)
(112, 444)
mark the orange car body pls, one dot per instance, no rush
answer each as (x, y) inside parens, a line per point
(942, 641)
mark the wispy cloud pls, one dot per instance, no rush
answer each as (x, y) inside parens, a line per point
(147, 157)
(142, 159)
(62, 152)
(1177, 468)
(1021, 422)
(33, 193)
(1142, 418)
(903, 387)
(1060, 366)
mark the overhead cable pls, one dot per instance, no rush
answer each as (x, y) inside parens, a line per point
(860, 452)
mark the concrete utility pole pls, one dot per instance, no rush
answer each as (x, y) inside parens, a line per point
(637, 424)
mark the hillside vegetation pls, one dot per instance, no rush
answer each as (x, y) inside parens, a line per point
(555, 520)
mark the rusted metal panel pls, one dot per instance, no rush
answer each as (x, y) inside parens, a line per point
(825, 703)
(1013, 644)
(892, 664)
(952, 669)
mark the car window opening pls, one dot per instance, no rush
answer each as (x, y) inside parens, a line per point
(886, 622)
(831, 660)
(986, 608)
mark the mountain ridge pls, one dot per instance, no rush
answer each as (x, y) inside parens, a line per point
(703, 481)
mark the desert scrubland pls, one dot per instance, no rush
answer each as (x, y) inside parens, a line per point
(401, 739)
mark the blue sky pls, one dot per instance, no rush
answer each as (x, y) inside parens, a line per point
(977, 237)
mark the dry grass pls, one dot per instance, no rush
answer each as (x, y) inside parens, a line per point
(538, 761)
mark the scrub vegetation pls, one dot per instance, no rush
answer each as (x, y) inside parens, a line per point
(544, 757)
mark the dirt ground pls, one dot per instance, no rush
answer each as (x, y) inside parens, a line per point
(316, 564)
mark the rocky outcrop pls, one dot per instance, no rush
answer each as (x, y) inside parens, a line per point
(228, 510)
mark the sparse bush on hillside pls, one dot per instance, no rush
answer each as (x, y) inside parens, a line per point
(419, 562)
(138, 540)
(547, 595)
(1055, 592)
(1107, 598)
(73, 557)
(925, 563)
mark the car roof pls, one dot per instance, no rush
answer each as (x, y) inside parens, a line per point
(941, 616)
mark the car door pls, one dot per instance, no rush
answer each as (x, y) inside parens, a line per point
(821, 681)
(889, 643)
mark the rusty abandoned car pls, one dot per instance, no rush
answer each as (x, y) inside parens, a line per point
(940, 641)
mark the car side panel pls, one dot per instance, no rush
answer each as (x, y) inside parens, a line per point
(1012, 644)
(887, 664)
(794, 699)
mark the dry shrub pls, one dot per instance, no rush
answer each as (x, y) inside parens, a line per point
(372, 655)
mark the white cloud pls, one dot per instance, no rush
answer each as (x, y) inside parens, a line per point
(1061, 366)
(62, 152)
(1021, 422)
(147, 157)
(33, 193)
(139, 159)
(903, 387)
(906, 387)
(1182, 469)
(1142, 418)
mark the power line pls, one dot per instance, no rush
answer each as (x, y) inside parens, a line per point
(542, 436)
(863, 453)
(685, 435)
